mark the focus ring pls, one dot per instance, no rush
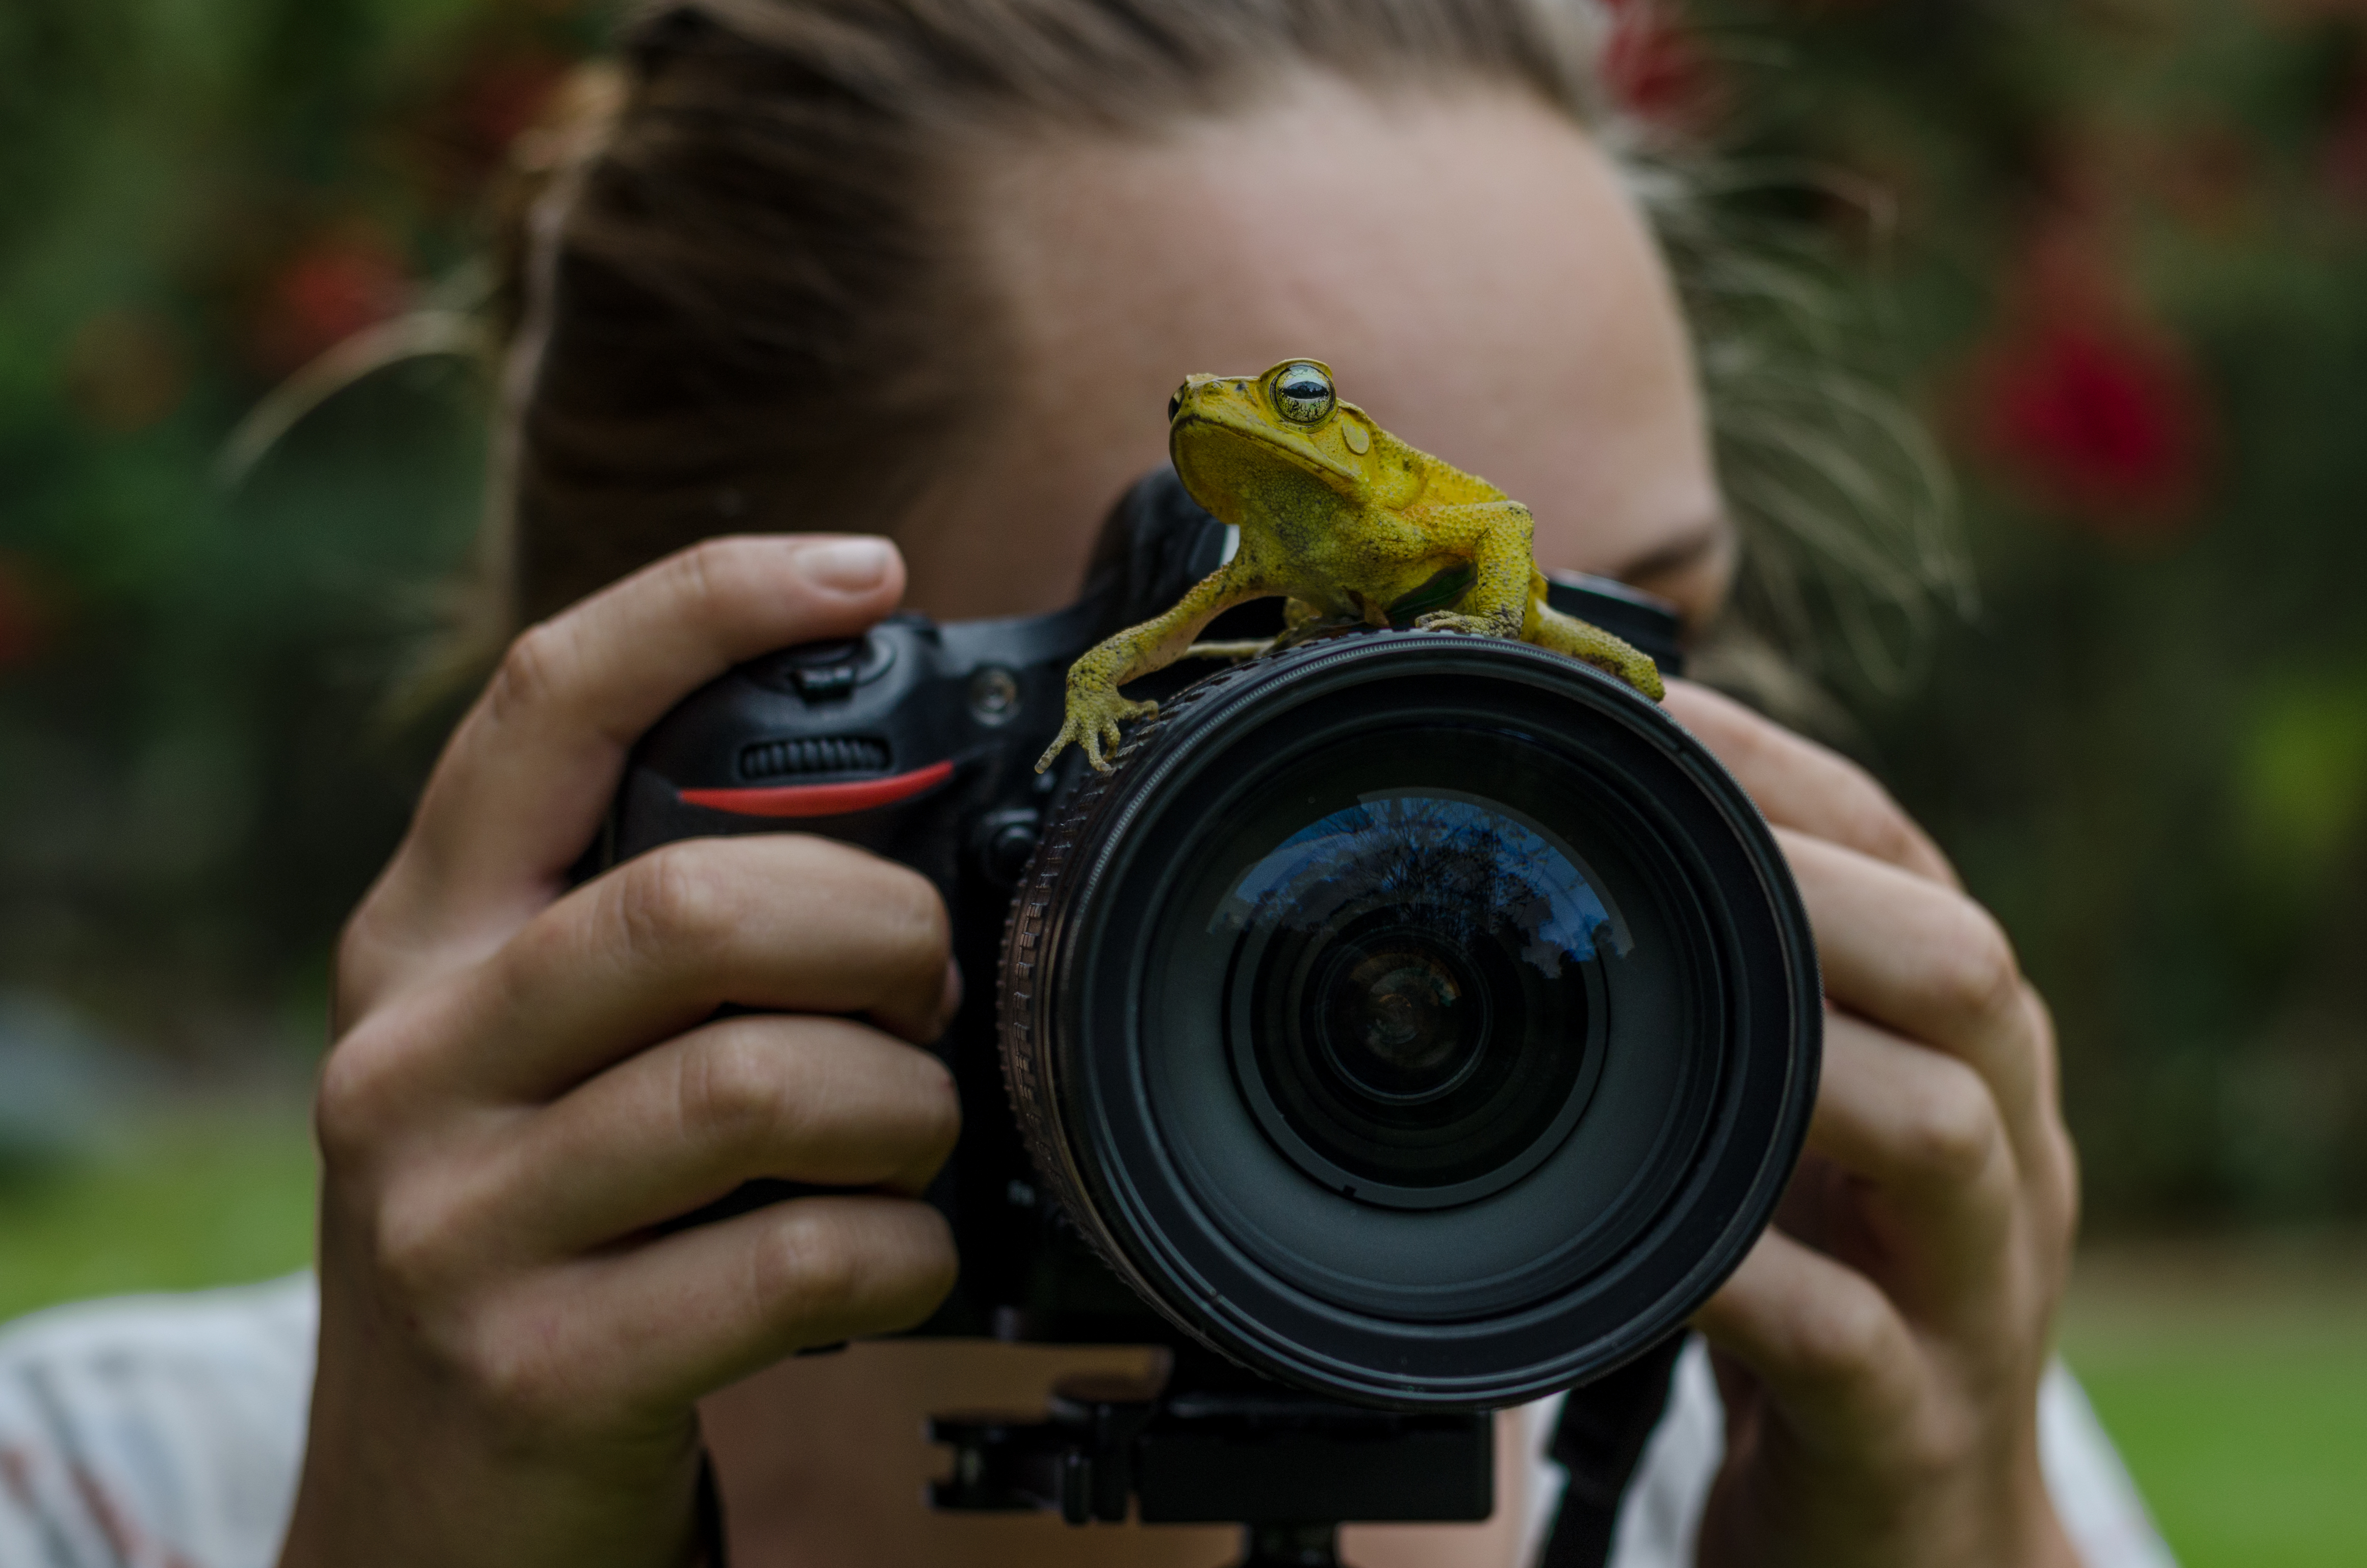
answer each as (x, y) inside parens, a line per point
(1031, 928)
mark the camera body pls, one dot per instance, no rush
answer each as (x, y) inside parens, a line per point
(1079, 1196)
(918, 742)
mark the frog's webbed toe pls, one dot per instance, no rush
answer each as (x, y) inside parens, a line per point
(1095, 721)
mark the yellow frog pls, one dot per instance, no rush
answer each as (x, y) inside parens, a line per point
(1352, 524)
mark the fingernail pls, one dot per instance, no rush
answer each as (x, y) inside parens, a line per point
(847, 565)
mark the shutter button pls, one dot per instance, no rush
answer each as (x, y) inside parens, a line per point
(825, 680)
(820, 670)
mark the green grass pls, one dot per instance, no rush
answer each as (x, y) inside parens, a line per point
(2234, 1376)
(214, 1198)
(2254, 1458)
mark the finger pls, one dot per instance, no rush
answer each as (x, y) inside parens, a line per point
(822, 1100)
(775, 922)
(1827, 1345)
(522, 786)
(1922, 1131)
(1912, 1121)
(1928, 964)
(1806, 787)
(658, 1326)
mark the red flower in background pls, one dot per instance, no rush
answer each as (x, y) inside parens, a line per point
(2089, 405)
(335, 286)
(1653, 67)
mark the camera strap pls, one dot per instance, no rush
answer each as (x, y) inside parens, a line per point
(1599, 1440)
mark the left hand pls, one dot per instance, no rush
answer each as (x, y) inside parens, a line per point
(1879, 1352)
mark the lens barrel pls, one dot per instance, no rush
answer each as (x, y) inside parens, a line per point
(1425, 1020)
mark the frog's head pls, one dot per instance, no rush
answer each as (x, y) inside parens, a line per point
(1232, 437)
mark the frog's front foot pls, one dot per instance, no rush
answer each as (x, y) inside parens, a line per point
(1471, 625)
(1094, 722)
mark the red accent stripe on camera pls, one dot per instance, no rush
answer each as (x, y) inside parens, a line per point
(821, 800)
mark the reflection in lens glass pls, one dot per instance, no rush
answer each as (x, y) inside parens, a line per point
(1409, 992)
(1487, 871)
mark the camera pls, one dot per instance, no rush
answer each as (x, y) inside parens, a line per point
(1422, 1022)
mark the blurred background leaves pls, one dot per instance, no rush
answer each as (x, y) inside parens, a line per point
(196, 778)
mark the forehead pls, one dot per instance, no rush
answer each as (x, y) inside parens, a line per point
(1468, 261)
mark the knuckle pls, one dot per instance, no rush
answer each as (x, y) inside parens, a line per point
(1952, 1128)
(416, 1250)
(531, 671)
(671, 898)
(360, 1094)
(1873, 821)
(728, 1093)
(814, 1262)
(343, 1100)
(511, 1360)
(1847, 1342)
(1974, 973)
(1934, 1446)
(939, 1106)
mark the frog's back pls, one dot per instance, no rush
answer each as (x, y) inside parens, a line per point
(1441, 483)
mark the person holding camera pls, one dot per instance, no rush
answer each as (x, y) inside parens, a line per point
(825, 308)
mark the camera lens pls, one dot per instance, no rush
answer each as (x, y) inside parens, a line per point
(1406, 1005)
(1425, 1020)
(1397, 1017)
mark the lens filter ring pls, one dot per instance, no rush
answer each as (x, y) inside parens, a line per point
(1425, 1020)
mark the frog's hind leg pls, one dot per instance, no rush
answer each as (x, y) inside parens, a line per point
(1548, 628)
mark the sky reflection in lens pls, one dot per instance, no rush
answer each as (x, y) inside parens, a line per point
(1456, 856)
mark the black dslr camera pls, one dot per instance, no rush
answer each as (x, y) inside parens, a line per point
(1410, 1024)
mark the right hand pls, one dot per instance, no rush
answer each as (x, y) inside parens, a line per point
(528, 1081)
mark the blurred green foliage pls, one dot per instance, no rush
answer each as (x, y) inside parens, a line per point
(2123, 244)
(177, 1202)
(195, 773)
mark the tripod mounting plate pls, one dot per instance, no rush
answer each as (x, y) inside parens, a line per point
(1253, 1457)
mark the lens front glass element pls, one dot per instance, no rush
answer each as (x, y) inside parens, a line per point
(1412, 1012)
(1409, 1001)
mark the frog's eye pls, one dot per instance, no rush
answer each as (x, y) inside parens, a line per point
(1303, 393)
(1174, 404)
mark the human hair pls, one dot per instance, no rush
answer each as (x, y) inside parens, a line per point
(759, 309)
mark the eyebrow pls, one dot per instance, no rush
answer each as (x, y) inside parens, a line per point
(1687, 550)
